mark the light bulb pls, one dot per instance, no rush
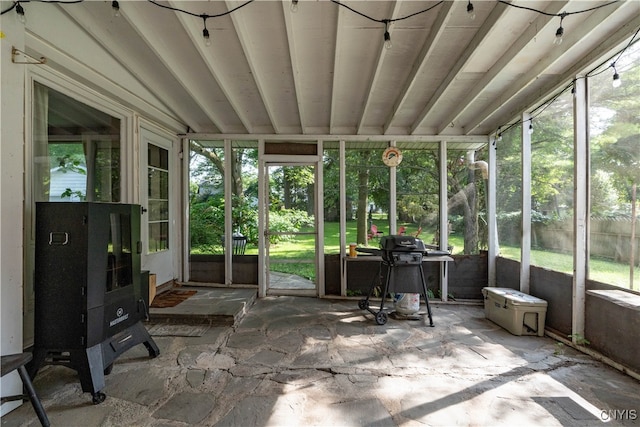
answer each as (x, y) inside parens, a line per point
(387, 40)
(115, 8)
(207, 39)
(470, 11)
(499, 137)
(616, 80)
(530, 128)
(294, 6)
(20, 12)
(559, 34)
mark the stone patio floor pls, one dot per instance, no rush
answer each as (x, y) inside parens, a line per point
(296, 361)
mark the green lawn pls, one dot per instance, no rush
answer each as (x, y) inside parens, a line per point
(601, 270)
(298, 255)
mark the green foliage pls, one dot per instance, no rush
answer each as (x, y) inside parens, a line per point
(287, 220)
(68, 193)
(579, 339)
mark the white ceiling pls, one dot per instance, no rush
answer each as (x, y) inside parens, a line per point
(323, 70)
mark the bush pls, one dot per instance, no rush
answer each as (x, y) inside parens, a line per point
(206, 225)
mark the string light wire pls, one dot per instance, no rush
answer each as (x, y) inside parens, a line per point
(544, 105)
(386, 22)
(387, 37)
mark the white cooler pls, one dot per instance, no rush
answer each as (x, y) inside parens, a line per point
(517, 312)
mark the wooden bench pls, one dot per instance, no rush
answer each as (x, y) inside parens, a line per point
(18, 361)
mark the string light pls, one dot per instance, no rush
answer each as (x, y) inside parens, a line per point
(616, 77)
(294, 6)
(205, 31)
(470, 11)
(530, 126)
(559, 31)
(115, 8)
(387, 36)
(20, 12)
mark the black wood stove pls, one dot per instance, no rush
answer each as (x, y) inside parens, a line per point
(402, 260)
(90, 293)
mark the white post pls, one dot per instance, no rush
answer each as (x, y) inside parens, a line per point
(393, 209)
(525, 238)
(262, 204)
(343, 219)
(228, 214)
(319, 216)
(444, 220)
(492, 225)
(581, 204)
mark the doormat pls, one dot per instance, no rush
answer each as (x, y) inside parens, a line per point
(164, 330)
(171, 298)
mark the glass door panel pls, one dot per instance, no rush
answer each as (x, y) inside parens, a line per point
(291, 232)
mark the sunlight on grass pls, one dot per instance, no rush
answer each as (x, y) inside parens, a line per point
(299, 255)
(604, 271)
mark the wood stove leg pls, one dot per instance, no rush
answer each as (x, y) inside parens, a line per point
(90, 367)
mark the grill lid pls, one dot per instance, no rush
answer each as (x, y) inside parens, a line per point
(398, 243)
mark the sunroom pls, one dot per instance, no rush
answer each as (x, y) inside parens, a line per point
(269, 121)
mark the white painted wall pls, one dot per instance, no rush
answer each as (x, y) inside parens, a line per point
(74, 60)
(12, 77)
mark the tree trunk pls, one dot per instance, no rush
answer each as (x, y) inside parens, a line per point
(286, 188)
(363, 195)
(471, 217)
(236, 173)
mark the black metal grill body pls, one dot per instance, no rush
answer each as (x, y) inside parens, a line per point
(90, 293)
(402, 257)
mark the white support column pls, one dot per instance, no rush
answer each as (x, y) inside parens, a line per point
(393, 210)
(343, 219)
(319, 215)
(186, 244)
(444, 220)
(492, 225)
(262, 203)
(581, 204)
(228, 214)
(525, 239)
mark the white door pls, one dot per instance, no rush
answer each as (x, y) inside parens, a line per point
(157, 171)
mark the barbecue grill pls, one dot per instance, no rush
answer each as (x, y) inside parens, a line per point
(402, 255)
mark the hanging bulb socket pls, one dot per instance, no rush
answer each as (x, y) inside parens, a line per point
(115, 9)
(559, 34)
(560, 31)
(387, 36)
(470, 12)
(530, 126)
(293, 7)
(616, 80)
(20, 11)
(387, 40)
(205, 31)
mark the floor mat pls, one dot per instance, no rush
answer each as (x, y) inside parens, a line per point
(171, 298)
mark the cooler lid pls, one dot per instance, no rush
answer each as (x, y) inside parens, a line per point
(514, 297)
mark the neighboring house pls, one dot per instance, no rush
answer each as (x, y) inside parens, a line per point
(65, 181)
